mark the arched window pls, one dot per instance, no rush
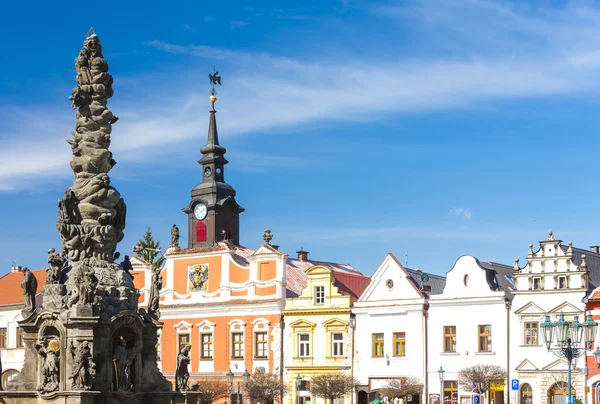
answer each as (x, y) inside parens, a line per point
(200, 231)
(227, 231)
(7, 377)
(596, 393)
(557, 393)
(526, 394)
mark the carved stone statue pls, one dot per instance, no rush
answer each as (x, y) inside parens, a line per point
(123, 361)
(126, 266)
(49, 351)
(175, 236)
(182, 373)
(84, 368)
(57, 263)
(29, 285)
(154, 298)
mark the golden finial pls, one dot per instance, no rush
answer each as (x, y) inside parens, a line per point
(214, 79)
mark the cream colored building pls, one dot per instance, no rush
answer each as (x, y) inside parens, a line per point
(318, 334)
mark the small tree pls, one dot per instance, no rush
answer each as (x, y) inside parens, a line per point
(332, 386)
(406, 386)
(149, 249)
(211, 390)
(265, 387)
(480, 377)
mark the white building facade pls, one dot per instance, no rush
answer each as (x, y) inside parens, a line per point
(554, 281)
(468, 325)
(391, 324)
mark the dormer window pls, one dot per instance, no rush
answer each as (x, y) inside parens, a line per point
(319, 294)
(562, 282)
(537, 283)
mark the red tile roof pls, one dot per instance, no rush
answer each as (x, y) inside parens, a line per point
(296, 279)
(10, 285)
(352, 285)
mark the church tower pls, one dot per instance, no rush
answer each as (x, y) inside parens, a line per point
(213, 213)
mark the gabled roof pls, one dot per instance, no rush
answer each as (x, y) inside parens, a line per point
(593, 263)
(352, 285)
(437, 282)
(10, 286)
(296, 279)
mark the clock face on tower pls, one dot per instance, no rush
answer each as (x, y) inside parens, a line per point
(200, 211)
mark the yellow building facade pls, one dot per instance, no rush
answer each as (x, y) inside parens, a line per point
(318, 330)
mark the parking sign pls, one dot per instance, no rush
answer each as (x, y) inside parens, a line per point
(514, 384)
(476, 399)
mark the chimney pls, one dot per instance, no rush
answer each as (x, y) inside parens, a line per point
(302, 255)
(595, 249)
(275, 247)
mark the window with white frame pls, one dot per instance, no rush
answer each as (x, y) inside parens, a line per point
(237, 341)
(206, 345)
(319, 294)
(260, 344)
(562, 282)
(537, 283)
(303, 345)
(531, 329)
(337, 344)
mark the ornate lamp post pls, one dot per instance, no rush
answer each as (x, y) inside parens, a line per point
(298, 380)
(441, 375)
(239, 390)
(568, 339)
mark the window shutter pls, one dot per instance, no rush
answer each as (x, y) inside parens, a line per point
(200, 231)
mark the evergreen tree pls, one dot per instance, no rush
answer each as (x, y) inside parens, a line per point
(150, 249)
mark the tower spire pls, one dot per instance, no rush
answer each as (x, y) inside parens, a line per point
(213, 213)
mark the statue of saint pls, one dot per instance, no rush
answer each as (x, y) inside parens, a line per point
(57, 263)
(182, 373)
(84, 367)
(123, 360)
(29, 285)
(50, 366)
(154, 298)
(126, 266)
(175, 236)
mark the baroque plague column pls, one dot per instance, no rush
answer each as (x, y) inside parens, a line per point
(88, 335)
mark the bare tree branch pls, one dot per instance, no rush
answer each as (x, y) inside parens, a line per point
(406, 386)
(480, 377)
(211, 390)
(332, 385)
(265, 387)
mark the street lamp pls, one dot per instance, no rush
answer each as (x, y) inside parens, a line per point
(441, 375)
(298, 380)
(238, 391)
(568, 338)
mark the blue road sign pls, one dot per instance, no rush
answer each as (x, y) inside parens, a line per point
(476, 399)
(514, 384)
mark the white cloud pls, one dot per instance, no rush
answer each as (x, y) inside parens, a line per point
(189, 28)
(499, 51)
(465, 213)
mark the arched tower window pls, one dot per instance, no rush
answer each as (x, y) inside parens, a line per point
(526, 394)
(227, 231)
(200, 231)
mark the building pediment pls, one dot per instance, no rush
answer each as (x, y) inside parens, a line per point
(302, 325)
(559, 365)
(530, 309)
(318, 270)
(335, 324)
(262, 250)
(526, 366)
(566, 308)
(390, 282)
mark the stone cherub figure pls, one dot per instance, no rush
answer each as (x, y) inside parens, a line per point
(29, 285)
(84, 368)
(50, 365)
(182, 373)
(175, 236)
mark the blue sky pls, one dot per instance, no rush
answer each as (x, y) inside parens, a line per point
(353, 129)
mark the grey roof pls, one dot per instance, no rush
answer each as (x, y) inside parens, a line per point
(436, 282)
(499, 276)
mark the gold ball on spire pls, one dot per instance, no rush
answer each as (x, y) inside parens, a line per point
(213, 98)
